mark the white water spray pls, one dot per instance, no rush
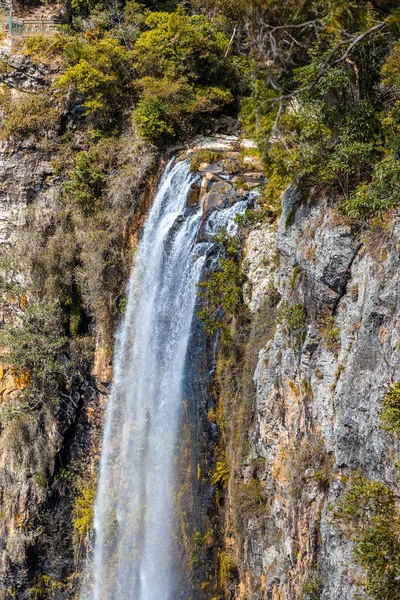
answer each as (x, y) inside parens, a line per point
(134, 523)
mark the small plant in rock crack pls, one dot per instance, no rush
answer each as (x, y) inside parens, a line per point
(204, 156)
(221, 474)
(329, 331)
(390, 416)
(295, 274)
(293, 319)
(228, 569)
(308, 463)
(251, 216)
(312, 588)
(83, 510)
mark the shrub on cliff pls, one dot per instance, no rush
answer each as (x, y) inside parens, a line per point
(87, 179)
(35, 115)
(184, 72)
(293, 319)
(368, 514)
(222, 291)
(99, 75)
(312, 588)
(328, 139)
(178, 45)
(390, 416)
(35, 346)
(375, 197)
(83, 511)
(318, 109)
(167, 109)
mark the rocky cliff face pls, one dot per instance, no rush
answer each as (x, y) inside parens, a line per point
(47, 450)
(320, 377)
(310, 359)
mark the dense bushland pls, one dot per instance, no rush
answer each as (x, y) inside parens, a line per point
(317, 84)
(325, 99)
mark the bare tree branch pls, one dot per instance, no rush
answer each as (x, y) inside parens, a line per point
(327, 65)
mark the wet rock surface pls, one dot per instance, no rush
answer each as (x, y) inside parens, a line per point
(225, 178)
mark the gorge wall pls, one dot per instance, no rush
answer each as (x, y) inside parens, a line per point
(290, 420)
(323, 369)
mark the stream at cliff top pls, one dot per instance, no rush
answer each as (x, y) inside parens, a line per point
(135, 533)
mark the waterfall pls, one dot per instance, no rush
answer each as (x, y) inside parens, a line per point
(134, 512)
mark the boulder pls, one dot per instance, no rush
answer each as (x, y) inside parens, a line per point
(212, 200)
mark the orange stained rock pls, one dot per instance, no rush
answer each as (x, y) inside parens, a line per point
(102, 368)
(278, 593)
(279, 465)
(262, 582)
(10, 382)
(21, 379)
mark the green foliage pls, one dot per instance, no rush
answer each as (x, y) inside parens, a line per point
(197, 544)
(166, 108)
(329, 331)
(98, 75)
(251, 216)
(46, 364)
(221, 474)
(40, 588)
(151, 119)
(31, 114)
(293, 319)
(391, 69)
(295, 274)
(41, 479)
(177, 45)
(325, 143)
(209, 157)
(35, 348)
(308, 462)
(83, 8)
(290, 218)
(222, 291)
(43, 49)
(184, 72)
(390, 416)
(81, 351)
(369, 514)
(230, 243)
(73, 306)
(312, 588)
(375, 197)
(228, 570)
(78, 251)
(87, 180)
(83, 510)
(327, 130)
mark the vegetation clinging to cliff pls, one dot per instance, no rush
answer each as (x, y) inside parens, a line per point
(368, 513)
(222, 291)
(324, 105)
(318, 83)
(320, 111)
(390, 416)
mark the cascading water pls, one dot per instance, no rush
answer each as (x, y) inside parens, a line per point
(134, 513)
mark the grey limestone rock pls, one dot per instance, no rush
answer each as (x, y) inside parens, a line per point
(332, 389)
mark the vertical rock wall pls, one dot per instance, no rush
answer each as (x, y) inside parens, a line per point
(317, 395)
